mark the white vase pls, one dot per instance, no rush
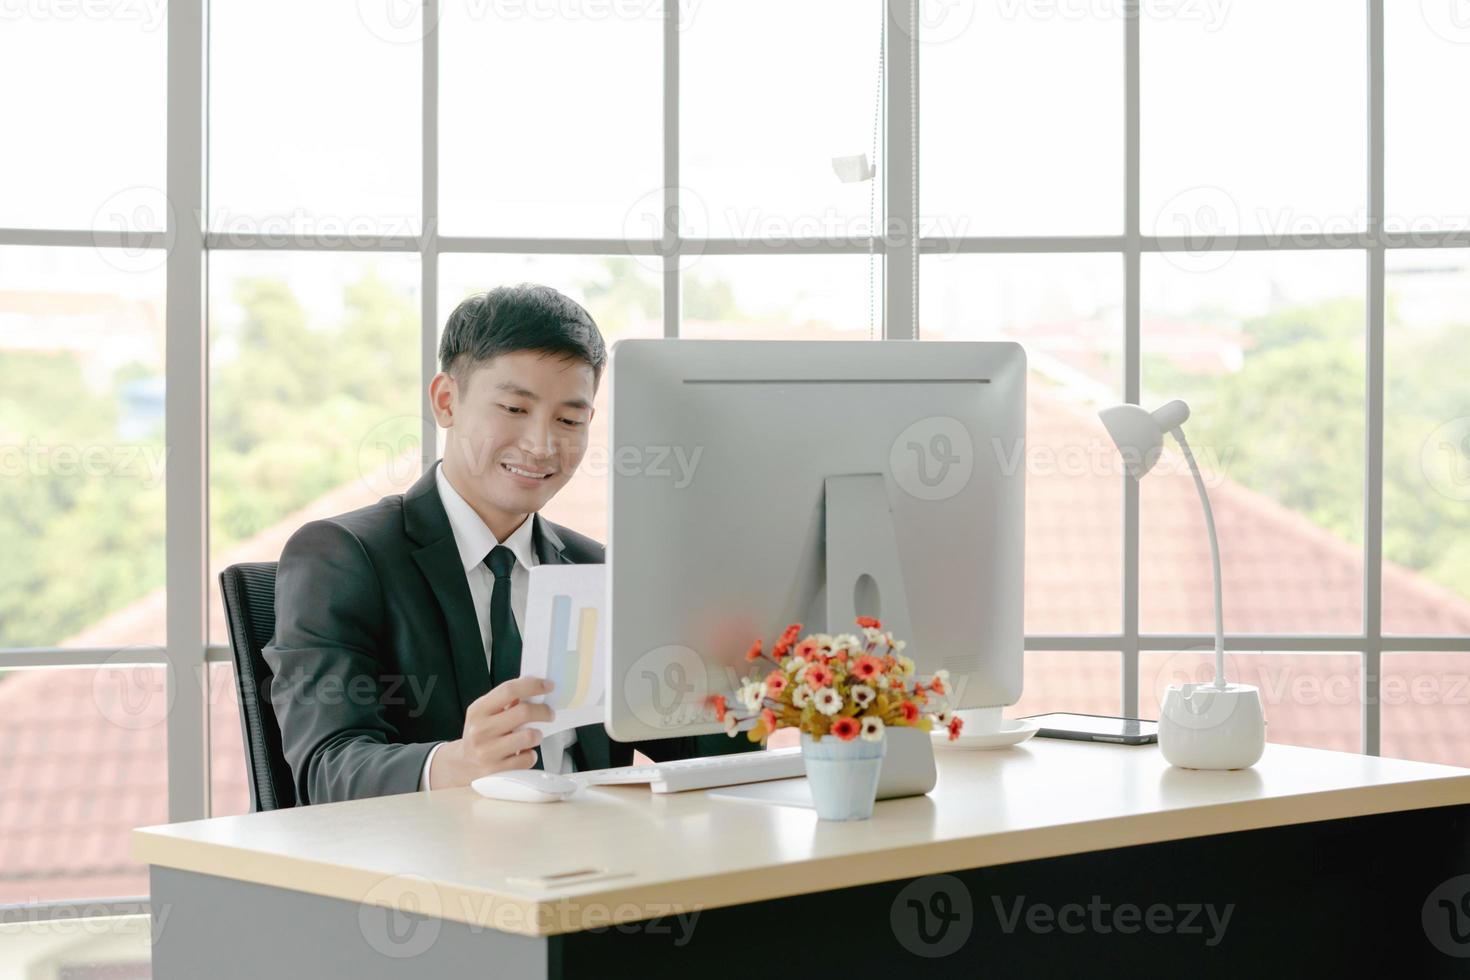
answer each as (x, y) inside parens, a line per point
(843, 776)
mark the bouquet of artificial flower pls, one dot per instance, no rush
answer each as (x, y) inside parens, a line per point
(845, 685)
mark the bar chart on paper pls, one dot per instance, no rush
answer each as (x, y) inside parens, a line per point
(573, 652)
(563, 641)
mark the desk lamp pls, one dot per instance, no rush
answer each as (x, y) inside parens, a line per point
(1217, 725)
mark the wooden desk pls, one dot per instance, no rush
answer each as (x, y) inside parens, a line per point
(691, 881)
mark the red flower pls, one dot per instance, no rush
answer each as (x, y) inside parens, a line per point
(806, 648)
(717, 701)
(846, 728)
(754, 653)
(867, 667)
(791, 633)
(937, 685)
(776, 682)
(869, 621)
(818, 675)
(768, 718)
(955, 724)
(780, 650)
(910, 711)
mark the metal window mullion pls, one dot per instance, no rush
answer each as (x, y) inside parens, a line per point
(1073, 244)
(29, 657)
(546, 246)
(72, 910)
(24, 657)
(1249, 642)
(74, 238)
(220, 241)
(899, 170)
(1019, 244)
(1374, 358)
(1132, 263)
(671, 244)
(186, 414)
(21, 658)
(428, 243)
(252, 241)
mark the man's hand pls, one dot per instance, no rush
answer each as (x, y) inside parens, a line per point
(494, 739)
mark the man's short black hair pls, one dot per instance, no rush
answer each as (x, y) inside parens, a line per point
(515, 318)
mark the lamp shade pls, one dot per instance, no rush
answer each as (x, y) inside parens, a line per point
(1139, 433)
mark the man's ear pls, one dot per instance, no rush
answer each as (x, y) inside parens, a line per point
(443, 399)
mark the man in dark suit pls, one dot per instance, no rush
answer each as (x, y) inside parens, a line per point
(397, 647)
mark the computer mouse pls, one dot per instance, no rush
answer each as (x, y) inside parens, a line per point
(525, 786)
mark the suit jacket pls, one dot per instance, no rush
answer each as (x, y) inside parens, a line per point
(377, 653)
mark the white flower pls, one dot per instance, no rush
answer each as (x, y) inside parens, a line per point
(941, 718)
(846, 641)
(730, 723)
(822, 640)
(801, 696)
(899, 645)
(800, 674)
(792, 664)
(872, 634)
(882, 681)
(828, 701)
(750, 695)
(862, 695)
(872, 728)
(905, 665)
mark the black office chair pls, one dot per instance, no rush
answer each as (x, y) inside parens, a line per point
(249, 593)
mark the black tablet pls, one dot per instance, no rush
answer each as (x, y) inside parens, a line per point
(1096, 728)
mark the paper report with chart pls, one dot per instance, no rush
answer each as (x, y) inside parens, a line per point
(565, 641)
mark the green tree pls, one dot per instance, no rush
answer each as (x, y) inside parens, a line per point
(1291, 425)
(81, 538)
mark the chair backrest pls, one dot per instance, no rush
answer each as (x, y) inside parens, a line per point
(249, 593)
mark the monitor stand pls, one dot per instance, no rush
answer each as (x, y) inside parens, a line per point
(864, 575)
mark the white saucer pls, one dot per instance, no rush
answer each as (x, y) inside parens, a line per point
(1013, 731)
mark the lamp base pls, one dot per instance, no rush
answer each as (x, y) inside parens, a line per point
(1202, 726)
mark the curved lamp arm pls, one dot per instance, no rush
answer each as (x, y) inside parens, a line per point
(1199, 484)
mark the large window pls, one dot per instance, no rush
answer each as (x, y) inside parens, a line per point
(1254, 207)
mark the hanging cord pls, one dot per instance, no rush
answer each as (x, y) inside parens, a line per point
(873, 194)
(912, 232)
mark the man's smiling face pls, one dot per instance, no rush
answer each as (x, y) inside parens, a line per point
(517, 430)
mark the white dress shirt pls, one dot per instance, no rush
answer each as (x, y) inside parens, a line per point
(475, 541)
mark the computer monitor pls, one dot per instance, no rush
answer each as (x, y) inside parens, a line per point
(759, 483)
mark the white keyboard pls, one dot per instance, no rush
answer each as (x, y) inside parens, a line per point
(704, 772)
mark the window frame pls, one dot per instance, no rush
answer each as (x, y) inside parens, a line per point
(187, 652)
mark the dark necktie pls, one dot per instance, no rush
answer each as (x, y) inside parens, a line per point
(505, 637)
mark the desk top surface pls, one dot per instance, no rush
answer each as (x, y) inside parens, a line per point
(483, 862)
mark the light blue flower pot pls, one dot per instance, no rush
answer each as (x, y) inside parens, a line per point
(843, 776)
